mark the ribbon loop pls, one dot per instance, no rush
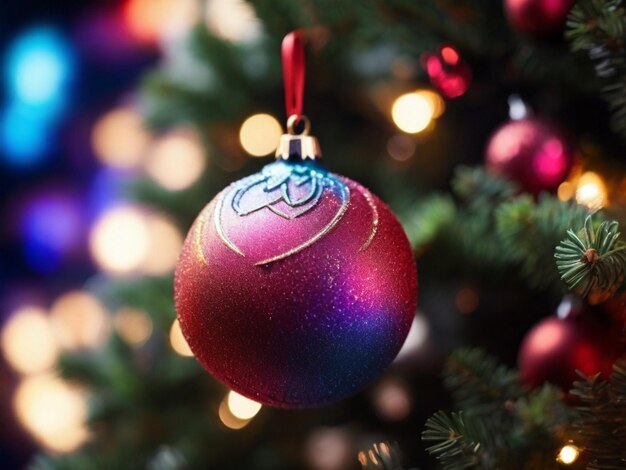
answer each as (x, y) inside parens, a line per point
(293, 73)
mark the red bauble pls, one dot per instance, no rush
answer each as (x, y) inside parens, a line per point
(531, 152)
(538, 17)
(296, 287)
(555, 348)
(447, 72)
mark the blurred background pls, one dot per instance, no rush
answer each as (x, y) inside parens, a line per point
(121, 119)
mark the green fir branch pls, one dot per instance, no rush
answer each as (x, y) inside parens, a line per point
(601, 426)
(598, 27)
(592, 260)
(478, 382)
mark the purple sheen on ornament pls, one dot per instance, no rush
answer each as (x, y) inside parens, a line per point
(532, 153)
(296, 287)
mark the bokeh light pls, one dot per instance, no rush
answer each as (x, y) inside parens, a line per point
(120, 240)
(38, 68)
(165, 244)
(233, 20)
(227, 418)
(129, 240)
(241, 407)
(259, 134)
(146, 19)
(568, 454)
(176, 161)
(133, 325)
(466, 300)
(566, 191)
(401, 147)
(418, 334)
(51, 228)
(591, 191)
(27, 341)
(392, 401)
(79, 320)
(178, 341)
(52, 411)
(412, 113)
(120, 139)
(331, 448)
(24, 135)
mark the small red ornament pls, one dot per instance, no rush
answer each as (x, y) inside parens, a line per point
(531, 152)
(447, 72)
(538, 17)
(557, 347)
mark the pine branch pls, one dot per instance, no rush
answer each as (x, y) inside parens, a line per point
(500, 424)
(478, 382)
(602, 423)
(598, 27)
(460, 440)
(592, 261)
(528, 231)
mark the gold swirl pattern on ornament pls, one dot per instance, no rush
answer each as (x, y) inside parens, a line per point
(370, 201)
(220, 229)
(197, 239)
(345, 202)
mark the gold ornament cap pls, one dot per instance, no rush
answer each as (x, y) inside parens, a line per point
(293, 146)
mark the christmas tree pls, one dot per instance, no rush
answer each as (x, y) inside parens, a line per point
(495, 131)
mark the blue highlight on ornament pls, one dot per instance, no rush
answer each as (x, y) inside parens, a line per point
(38, 68)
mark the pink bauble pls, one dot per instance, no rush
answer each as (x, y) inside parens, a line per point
(296, 287)
(556, 348)
(538, 17)
(531, 152)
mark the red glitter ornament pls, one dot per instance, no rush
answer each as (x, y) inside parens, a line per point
(556, 348)
(538, 17)
(296, 287)
(531, 152)
(447, 72)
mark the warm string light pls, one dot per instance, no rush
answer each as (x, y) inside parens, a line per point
(568, 454)
(392, 400)
(233, 20)
(236, 411)
(259, 135)
(28, 342)
(128, 239)
(119, 138)
(591, 191)
(242, 407)
(52, 411)
(178, 341)
(176, 161)
(133, 325)
(119, 240)
(147, 19)
(79, 320)
(416, 111)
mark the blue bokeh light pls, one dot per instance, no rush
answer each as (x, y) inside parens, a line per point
(38, 68)
(24, 135)
(52, 228)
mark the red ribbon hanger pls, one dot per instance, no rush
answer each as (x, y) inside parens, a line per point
(293, 73)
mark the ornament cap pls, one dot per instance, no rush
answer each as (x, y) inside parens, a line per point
(294, 146)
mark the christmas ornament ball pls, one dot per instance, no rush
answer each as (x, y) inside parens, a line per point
(556, 348)
(531, 152)
(538, 17)
(296, 287)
